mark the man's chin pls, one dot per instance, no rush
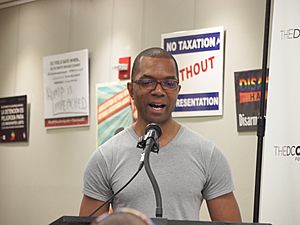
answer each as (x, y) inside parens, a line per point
(159, 120)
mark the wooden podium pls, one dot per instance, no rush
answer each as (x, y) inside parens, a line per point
(80, 220)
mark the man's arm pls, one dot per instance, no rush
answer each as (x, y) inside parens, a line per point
(224, 208)
(88, 205)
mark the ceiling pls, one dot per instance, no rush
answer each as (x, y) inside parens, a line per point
(9, 3)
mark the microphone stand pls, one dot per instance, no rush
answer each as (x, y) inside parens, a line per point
(149, 144)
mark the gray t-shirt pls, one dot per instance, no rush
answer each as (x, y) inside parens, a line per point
(188, 170)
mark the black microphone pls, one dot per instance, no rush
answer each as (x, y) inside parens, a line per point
(118, 130)
(152, 135)
(149, 142)
(153, 130)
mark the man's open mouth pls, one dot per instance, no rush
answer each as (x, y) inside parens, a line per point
(157, 106)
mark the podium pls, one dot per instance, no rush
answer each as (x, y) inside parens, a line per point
(83, 220)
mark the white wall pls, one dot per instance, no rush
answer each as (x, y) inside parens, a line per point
(41, 180)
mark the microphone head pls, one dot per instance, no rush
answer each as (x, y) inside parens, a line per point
(118, 130)
(155, 127)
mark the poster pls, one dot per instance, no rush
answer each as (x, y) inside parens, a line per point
(247, 96)
(13, 123)
(199, 54)
(66, 89)
(280, 183)
(115, 109)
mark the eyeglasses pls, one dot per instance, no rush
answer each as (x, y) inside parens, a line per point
(150, 84)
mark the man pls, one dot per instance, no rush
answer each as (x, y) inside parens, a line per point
(188, 168)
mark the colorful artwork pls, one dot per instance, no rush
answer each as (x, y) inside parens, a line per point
(115, 110)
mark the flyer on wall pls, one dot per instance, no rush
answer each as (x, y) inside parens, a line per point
(199, 54)
(66, 89)
(13, 122)
(247, 95)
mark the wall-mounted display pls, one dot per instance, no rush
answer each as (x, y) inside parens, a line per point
(247, 95)
(199, 54)
(115, 110)
(13, 121)
(66, 89)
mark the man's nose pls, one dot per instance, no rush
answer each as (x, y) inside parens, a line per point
(158, 88)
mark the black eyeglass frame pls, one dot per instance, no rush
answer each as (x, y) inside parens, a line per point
(161, 82)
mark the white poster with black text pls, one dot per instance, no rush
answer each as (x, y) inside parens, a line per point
(66, 89)
(280, 195)
(199, 54)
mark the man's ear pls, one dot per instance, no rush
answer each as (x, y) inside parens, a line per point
(130, 89)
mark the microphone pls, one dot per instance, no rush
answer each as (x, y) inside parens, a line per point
(153, 130)
(149, 142)
(151, 139)
(152, 133)
(118, 130)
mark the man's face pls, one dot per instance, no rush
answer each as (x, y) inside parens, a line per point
(154, 106)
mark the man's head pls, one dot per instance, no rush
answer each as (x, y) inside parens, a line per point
(122, 218)
(154, 52)
(154, 86)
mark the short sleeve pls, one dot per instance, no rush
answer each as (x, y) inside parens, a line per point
(96, 181)
(219, 179)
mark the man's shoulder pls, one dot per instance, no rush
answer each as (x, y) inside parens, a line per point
(119, 143)
(122, 137)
